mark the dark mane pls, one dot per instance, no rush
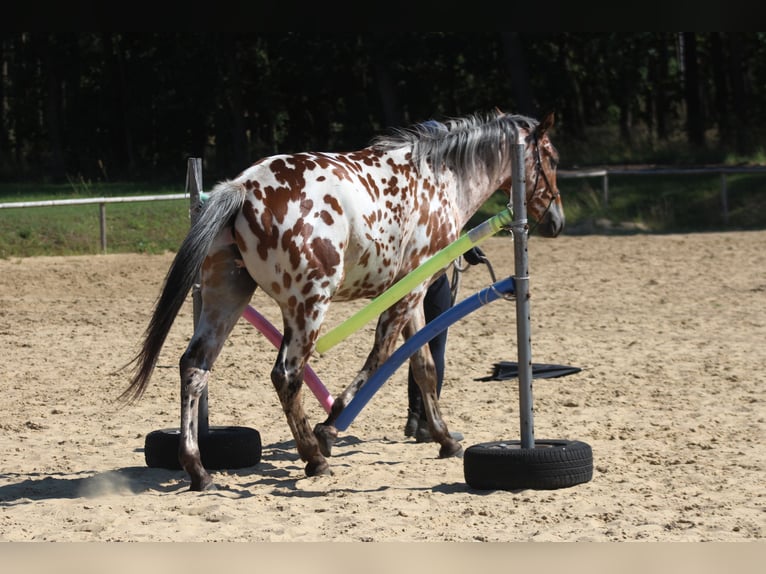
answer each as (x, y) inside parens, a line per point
(458, 144)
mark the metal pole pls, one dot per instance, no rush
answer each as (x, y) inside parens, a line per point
(520, 229)
(194, 188)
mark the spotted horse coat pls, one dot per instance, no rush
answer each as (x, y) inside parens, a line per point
(312, 228)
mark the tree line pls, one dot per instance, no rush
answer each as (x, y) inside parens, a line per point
(132, 106)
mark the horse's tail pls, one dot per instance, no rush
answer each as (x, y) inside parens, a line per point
(219, 210)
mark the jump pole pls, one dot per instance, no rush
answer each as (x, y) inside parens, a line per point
(407, 283)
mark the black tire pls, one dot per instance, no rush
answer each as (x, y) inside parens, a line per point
(221, 448)
(505, 465)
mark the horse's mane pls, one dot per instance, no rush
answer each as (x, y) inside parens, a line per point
(458, 144)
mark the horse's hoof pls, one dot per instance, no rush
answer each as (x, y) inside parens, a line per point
(318, 469)
(326, 436)
(202, 485)
(451, 448)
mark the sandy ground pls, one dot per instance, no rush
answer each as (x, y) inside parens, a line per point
(669, 332)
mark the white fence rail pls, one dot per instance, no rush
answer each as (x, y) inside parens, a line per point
(721, 171)
(101, 201)
(563, 174)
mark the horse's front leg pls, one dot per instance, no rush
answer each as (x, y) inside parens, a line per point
(387, 333)
(424, 373)
(325, 432)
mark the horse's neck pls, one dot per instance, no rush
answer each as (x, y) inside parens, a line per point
(466, 192)
(473, 191)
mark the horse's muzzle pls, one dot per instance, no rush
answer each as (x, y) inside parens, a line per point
(552, 224)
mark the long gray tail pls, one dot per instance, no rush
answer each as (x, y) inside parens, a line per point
(218, 211)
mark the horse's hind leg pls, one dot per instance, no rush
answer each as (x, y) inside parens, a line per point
(300, 331)
(226, 291)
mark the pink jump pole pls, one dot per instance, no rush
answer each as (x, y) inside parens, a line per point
(275, 337)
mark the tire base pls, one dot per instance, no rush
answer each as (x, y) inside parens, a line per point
(220, 448)
(549, 465)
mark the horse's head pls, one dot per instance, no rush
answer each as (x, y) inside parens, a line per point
(543, 198)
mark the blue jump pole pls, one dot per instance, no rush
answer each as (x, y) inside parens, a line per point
(431, 330)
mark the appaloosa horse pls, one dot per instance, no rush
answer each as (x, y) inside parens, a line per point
(311, 228)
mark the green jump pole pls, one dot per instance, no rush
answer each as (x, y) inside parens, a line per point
(399, 289)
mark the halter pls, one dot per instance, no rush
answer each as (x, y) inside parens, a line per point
(539, 170)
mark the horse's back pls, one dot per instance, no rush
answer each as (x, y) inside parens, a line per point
(332, 218)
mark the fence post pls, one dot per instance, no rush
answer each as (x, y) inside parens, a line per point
(194, 188)
(102, 225)
(724, 199)
(605, 188)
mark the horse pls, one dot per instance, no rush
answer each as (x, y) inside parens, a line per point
(312, 228)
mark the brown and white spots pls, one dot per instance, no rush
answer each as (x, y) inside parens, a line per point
(290, 176)
(240, 241)
(300, 316)
(326, 217)
(333, 203)
(400, 168)
(370, 219)
(216, 267)
(306, 205)
(392, 187)
(325, 255)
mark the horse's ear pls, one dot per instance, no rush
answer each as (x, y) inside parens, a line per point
(545, 124)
